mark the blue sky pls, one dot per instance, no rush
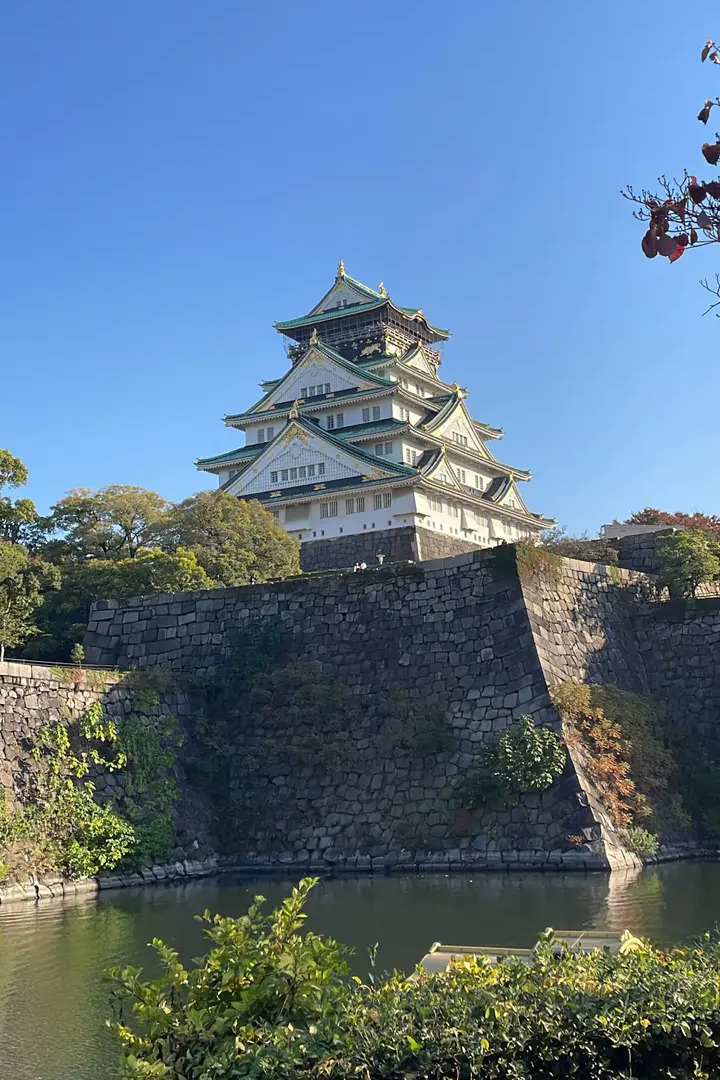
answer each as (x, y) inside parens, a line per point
(177, 176)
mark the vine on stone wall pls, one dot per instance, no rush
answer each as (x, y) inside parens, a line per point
(60, 824)
(624, 753)
(526, 560)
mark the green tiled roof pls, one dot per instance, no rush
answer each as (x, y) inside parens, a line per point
(355, 309)
(380, 426)
(232, 455)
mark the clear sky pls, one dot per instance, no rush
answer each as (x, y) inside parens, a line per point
(178, 175)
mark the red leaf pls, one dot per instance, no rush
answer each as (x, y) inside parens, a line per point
(713, 188)
(693, 237)
(715, 58)
(711, 152)
(666, 245)
(704, 220)
(649, 245)
(704, 113)
(697, 191)
(679, 250)
(683, 239)
(679, 209)
(708, 46)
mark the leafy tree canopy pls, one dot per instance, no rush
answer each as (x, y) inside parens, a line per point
(687, 560)
(23, 580)
(234, 540)
(112, 523)
(709, 523)
(13, 472)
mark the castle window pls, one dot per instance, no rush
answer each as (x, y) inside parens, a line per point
(377, 503)
(261, 434)
(387, 499)
(270, 433)
(327, 387)
(293, 474)
(304, 391)
(366, 416)
(461, 474)
(321, 468)
(406, 415)
(376, 412)
(461, 440)
(378, 449)
(324, 510)
(360, 504)
(333, 509)
(389, 449)
(340, 420)
(330, 423)
(273, 478)
(311, 470)
(283, 474)
(478, 482)
(275, 514)
(301, 472)
(349, 506)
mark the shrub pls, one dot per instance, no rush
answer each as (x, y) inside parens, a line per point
(641, 841)
(270, 1002)
(687, 560)
(522, 759)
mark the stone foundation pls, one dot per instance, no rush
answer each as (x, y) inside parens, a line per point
(408, 544)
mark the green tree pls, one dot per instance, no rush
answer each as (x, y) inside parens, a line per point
(19, 521)
(113, 523)
(23, 580)
(687, 560)
(62, 619)
(234, 540)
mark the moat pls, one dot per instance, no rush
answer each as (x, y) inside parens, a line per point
(53, 1002)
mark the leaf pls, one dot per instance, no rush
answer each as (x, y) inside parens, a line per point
(683, 239)
(697, 191)
(704, 220)
(711, 153)
(679, 208)
(704, 114)
(713, 188)
(693, 236)
(715, 58)
(679, 250)
(709, 44)
(413, 1044)
(666, 245)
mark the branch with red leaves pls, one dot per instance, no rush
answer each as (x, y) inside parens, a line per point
(684, 213)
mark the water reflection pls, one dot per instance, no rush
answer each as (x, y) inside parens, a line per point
(53, 1002)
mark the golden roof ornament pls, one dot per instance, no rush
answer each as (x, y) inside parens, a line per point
(294, 410)
(314, 336)
(382, 290)
(341, 269)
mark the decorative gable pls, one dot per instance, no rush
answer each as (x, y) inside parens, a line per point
(307, 457)
(319, 371)
(342, 294)
(457, 428)
(417, 360)
(511, 499)
(442, 471)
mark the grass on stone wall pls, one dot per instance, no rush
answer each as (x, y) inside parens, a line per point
(529, 562)
(626, 755)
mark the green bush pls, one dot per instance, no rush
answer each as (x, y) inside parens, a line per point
(642, 841)
(270, 1002)
(522, 759)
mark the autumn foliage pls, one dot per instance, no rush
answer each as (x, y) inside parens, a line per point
(709, 523)
(683, 213)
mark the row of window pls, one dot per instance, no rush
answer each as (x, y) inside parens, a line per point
(367, 412)
(461, 440)
(440, 507)
(381, 501)
(302, 472)
(314, 391)
(411, 456)
(336, 421)
(386, 449)
(265, 434)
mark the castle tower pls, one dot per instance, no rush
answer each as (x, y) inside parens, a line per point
(361, 448)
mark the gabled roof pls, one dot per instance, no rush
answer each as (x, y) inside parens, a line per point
(368, 300)
(433, 461)
(334, 357)
(243, 453)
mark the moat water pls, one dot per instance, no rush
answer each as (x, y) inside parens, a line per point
(53, 1001)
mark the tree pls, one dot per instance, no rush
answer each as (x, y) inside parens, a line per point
(687, 560)
(234, 540)
(23, 580)
(112, 523)
(13, 472)
(63, 617)
(709, 523)
(684, 213)
(19, 519)
(579, 547)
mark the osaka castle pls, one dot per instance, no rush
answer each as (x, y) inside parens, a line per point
(363, 451)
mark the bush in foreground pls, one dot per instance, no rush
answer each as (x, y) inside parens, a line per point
(269, 1001)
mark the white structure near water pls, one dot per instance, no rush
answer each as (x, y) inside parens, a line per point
(363, 434)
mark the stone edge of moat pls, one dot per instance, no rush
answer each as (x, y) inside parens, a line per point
(55, 887)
